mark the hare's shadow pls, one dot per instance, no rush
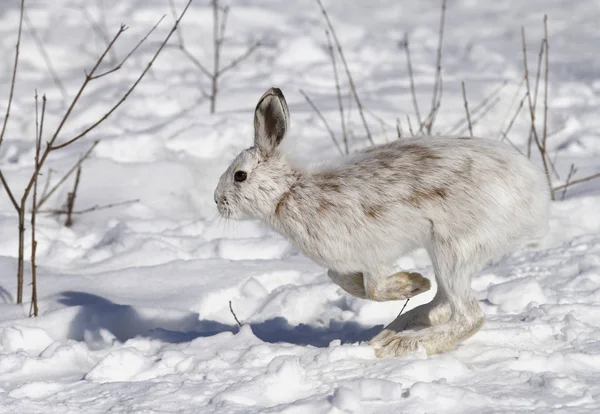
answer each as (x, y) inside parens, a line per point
(98, 314)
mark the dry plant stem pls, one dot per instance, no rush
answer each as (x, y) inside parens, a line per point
(90, 209)
(578, 181)
(338, 92)
(46, 194)
(411, 77)
(216, 57)
(51, 145)
(33, 310)
(480, 115)
(71, 199)
(535, 93)
(572, 172)
(410, 128)
(545, 130)
(404, 307)
(348, 74)
(120, 65)
(398, 128)
(467, 109)
(538, 143)
(234, 315)
(47, 60)
(320, 115)
(436, 99)
(483, 105)
(14, 75)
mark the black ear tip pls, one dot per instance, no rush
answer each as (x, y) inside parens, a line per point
(275, 91)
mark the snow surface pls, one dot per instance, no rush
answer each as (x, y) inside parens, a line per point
(134, 300)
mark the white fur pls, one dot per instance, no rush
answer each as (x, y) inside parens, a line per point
(467, 201)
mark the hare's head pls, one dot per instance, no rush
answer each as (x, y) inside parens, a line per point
(259, 175)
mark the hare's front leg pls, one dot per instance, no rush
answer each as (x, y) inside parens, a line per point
(398, 286)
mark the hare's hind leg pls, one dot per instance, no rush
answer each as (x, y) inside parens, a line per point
(465, 316)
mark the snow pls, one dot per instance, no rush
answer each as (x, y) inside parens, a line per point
(135, 300)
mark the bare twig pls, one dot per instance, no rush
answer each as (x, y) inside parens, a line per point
(320, 115)
(100, 29)
(411, 77)
(234, 315)
(535, 93)
(538, 142)
(578, 181)
(71, 199)
(436, 99)
(47, 60)
(124, 97)
(572, 172)
(398, 128)
(47, 194)
(120, 65)
(13, 200)
(410, 128)
(545, 124)
(14, 76)
(483, 105)
(348, 74)
(480, 115)
(338, 92)
(467, 109)
(33, 310)
(504, 133)
(96, 207)
(403, 307)
(235, 62)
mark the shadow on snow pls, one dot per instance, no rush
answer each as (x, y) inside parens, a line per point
(98, 314)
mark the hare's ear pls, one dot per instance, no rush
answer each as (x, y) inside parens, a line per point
(271, 121)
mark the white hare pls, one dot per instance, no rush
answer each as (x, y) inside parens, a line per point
(466, 201)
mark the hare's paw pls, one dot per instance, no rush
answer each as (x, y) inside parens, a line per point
(401, 285)
(390, 344)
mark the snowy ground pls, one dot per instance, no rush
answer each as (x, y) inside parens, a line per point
(134, 301)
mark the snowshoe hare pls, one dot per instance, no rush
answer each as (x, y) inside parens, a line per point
(466, 201)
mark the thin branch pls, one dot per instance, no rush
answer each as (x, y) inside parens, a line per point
(14, 75)
(320, 115)
(95, 207)
(33, 311)
(411, 77)
(47, 194)
(223, 25)
(483, 105)
(467, 109)
(234, 315)
(436, 99)
(580, 180)
(71, 199)
(481, 114)
(535, 93)
(129, 91)
(47, 60)
(572, 172)
(403, 307)
(541, 148)
(410, 128)
(398, 128)
(512, 121)
(545, 124)
(100, 29)
(239, 59)
(13, 200)
(348, 74)
(120, 65)
(338, 92)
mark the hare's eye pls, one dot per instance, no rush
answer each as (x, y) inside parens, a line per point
(240, 176)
